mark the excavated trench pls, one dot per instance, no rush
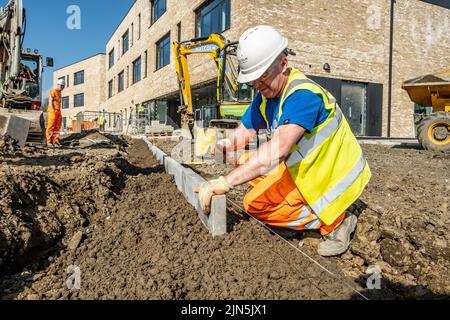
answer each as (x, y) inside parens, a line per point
(105, 205)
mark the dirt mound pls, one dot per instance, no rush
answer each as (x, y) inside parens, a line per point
(42, 202)
(95, 136)
(404, 225)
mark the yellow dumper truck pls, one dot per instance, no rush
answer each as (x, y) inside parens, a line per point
(433, 130)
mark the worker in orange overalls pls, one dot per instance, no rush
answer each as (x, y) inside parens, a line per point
(312, 168)
(54, 114)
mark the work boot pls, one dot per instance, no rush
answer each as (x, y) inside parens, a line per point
(337, 241)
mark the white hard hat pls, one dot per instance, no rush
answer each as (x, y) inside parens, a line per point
(257, 50)
(61, 82)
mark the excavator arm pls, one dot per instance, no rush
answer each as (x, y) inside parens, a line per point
(11, 33)
(215, 47)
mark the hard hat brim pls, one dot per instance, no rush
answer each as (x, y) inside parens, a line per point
(244, 77)
(249, 77)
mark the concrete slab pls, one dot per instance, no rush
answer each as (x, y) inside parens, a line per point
(175, 169)
(15, 127)
(187, 180)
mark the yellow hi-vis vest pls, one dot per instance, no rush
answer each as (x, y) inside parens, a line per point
(327, 165)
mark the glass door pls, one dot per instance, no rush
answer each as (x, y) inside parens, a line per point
(354, 106)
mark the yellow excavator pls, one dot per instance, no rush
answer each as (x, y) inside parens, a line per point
(232, 98)
(432, 92)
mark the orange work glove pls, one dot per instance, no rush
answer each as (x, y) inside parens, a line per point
(209, 189)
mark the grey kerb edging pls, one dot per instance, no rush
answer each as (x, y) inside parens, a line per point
(187, 180)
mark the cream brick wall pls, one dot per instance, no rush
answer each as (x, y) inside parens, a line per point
(93, 86)
(351, 35)
(422, 46)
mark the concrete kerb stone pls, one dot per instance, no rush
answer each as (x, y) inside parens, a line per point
(187, 180)
(159, 154)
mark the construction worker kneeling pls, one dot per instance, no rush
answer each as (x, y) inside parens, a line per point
(312, 169)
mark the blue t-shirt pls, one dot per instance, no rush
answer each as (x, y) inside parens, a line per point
(303, 108)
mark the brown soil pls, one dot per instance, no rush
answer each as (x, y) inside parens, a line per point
(111, 210)
(403, 222)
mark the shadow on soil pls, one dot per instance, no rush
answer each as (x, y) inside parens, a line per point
(396, 291)
(45, 160)
(132, 170)
(408, 146)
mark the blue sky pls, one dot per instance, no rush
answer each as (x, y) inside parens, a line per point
(47, 29)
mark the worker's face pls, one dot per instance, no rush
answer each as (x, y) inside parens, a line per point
(271, 83)
(60, 87)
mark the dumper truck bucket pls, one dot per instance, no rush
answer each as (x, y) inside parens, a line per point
(430, 90)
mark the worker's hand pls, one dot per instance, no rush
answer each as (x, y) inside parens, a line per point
(211, 188)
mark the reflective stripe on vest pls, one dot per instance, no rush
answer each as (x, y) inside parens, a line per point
(340, 187)
(308, 145)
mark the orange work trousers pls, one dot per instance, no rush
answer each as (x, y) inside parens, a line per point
(53, 126)
(276, 201)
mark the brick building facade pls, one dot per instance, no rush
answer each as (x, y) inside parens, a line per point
(354, 48)
(85, 81)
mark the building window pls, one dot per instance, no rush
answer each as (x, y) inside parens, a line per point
(120, 83)
(137, 70)
(65, 102)
(67, 81)
(146, 63)
(139, 26)
(79, 100)
(110, 89)
(163, 52)
(213, 17)
(125, 42)
(158, 9)
(179, 32)
(111, 58)
(132, 34)
(78, 78)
